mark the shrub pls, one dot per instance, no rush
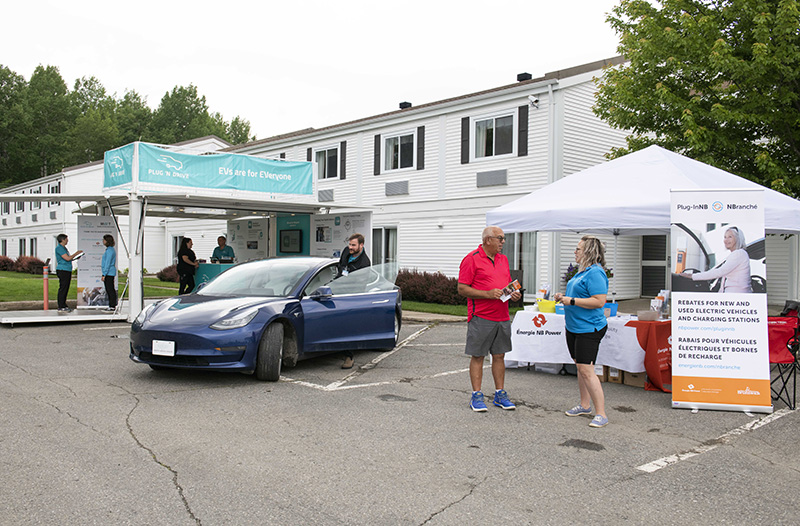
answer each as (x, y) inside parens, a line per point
(429, 287)
(28, 265)
(6, 263)
(169, 273)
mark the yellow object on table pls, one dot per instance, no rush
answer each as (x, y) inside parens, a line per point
(546, 305)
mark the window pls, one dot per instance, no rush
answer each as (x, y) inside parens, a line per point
(398, 152)
(54, 189)
(35, 205)
(328, 163)
(4, 247)
(384, 245)
(22, 247)
(32, 245)
(6, 208)
(494, 136)
(19, 206)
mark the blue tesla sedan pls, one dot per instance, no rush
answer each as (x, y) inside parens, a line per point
(261, 315)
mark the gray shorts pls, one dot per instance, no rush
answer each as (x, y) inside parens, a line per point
(486, 337)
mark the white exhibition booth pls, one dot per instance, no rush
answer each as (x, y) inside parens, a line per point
(269, 205)
(630, 195)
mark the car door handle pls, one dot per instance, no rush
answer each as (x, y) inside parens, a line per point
(381, 301)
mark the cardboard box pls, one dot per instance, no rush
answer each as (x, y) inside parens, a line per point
(614, 375)
(634, 379)
(602, 372)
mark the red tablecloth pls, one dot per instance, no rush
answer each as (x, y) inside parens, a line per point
(655, 337)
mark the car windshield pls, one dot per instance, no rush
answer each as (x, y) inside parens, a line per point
(269, 277)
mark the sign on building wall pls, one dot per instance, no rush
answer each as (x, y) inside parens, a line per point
(720, 349)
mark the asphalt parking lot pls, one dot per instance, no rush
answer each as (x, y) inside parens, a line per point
(89, 437)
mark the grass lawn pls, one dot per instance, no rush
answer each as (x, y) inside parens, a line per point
(15, 286)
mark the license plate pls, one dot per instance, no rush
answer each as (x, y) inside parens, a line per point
(163, 348)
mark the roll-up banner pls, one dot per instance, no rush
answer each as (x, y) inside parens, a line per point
(720, 348)
(91, 289)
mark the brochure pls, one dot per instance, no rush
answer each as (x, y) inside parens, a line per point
(509, 289)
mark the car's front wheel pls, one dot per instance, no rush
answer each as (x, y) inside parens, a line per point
(270, 354)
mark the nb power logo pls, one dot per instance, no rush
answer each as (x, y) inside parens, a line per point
(539, 320)
(748, 391)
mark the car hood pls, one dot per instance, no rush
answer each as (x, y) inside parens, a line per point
(200, 310)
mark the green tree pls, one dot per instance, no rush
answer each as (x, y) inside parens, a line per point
(182, 115)
(51, 114)
(239, 131)
(12, 126)
(133, 118)
(95, 129)
(716, 80)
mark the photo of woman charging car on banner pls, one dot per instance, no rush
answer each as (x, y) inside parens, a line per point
(717, 257)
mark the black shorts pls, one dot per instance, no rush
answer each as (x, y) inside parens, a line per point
(583, 345)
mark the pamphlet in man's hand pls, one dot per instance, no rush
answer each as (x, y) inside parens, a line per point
(509, 290)
(78, 256)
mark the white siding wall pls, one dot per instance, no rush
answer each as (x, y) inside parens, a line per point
(782, 258)
(627, 269)
(586, 138)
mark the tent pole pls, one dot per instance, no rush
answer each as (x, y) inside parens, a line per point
(614, 277)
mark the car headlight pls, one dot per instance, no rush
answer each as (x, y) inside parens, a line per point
(236, 321)
(143, 314)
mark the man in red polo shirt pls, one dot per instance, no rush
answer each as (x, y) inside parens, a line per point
(483, 275)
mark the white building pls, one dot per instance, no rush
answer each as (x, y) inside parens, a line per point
(430, 173)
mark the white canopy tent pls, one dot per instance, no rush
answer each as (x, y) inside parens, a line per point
(631, 196)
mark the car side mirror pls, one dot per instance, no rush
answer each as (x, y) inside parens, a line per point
(322, 293)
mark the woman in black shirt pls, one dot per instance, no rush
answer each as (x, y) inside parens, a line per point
(187, 264)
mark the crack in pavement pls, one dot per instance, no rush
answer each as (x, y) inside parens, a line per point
(472, 489)
(157, 461)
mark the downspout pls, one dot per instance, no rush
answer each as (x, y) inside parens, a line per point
(553, 238)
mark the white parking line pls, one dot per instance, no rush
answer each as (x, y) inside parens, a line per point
(358, 372)
(663, 462)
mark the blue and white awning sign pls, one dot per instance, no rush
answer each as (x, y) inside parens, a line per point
(118, 166)
(225, 171)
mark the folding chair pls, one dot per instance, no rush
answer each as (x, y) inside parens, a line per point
(784, 345)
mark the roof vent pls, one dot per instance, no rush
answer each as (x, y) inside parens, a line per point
(524, 76)
(405, 105)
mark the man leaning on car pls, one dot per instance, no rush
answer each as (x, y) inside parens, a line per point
(353, 258)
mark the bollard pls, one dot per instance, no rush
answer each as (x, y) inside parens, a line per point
(46, 285)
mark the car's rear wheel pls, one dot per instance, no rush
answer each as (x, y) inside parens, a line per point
(270, 354)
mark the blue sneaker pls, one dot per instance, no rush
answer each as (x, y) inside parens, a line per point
(501, 400)
(578, 410)
(598, 421)
(477, 404)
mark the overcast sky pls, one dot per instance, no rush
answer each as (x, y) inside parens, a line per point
(290, 65)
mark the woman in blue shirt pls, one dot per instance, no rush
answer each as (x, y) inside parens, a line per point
(586, 324)
(108, 268)
(64, 270)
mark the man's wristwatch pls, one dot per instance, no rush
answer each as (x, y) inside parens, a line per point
(572, 301)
